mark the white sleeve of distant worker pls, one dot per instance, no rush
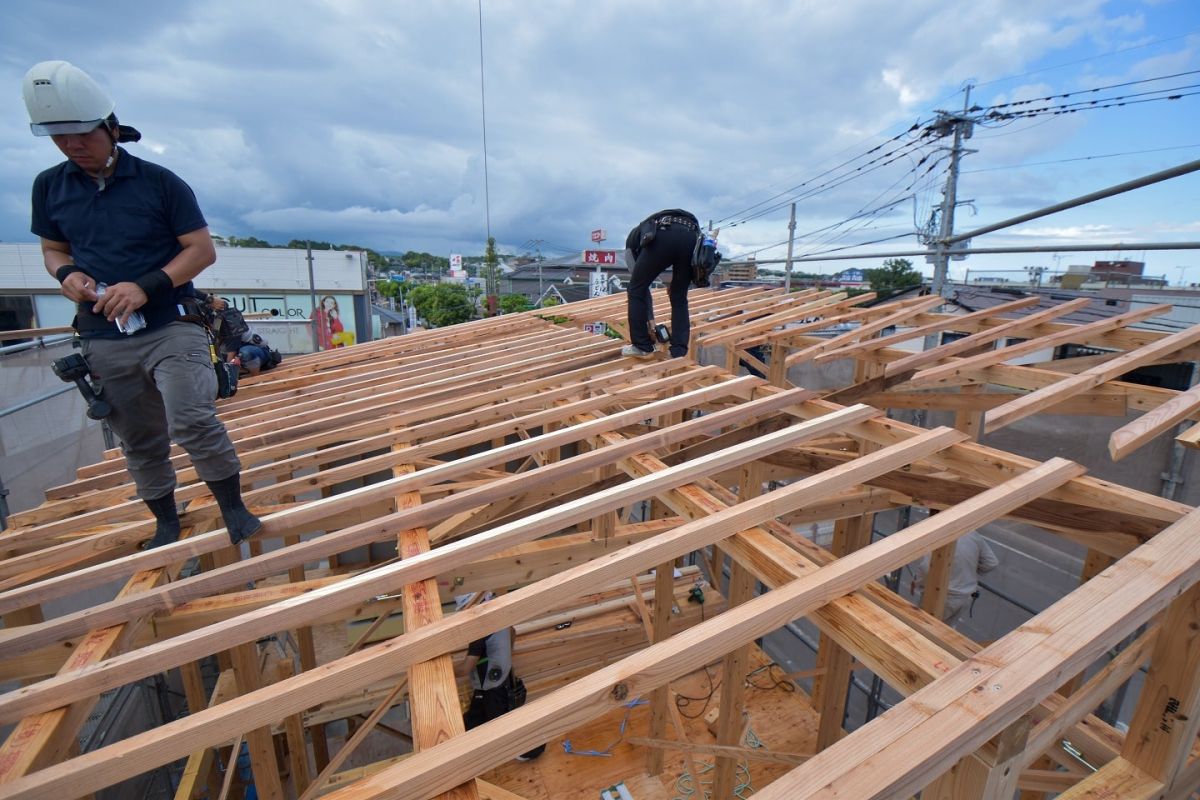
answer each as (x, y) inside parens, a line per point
(987, 557)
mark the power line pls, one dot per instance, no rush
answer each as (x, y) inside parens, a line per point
(1089, 58)
(1065, 95)
(487, 198)
(866, 168)
(1084, 158)
(1089, 105)
(915, 126)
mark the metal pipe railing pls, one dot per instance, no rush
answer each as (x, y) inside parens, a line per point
(41, 341)
(35, 400)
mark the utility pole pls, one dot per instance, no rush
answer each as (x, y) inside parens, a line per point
(312, 295)
(787, 277)
(941, 251)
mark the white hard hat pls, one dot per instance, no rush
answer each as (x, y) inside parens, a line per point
(62, 98)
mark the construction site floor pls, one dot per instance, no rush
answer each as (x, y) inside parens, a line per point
(780, 719)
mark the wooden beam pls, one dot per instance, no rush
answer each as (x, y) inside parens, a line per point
(1036, 401)
(1133, 435)
(948, 323)
(298, 610)
(1014, 327)
(985, 694)
(863, 331)
(176, 739)
(32, 636)
(426, 773)
(1078, 335)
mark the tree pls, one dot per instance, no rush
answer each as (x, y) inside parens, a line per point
(490, 260)
(894, 275)
(442, 304)
(514, 303)
(390, 289)
(249, 241)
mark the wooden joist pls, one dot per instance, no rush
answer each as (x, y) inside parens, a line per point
(493, 434)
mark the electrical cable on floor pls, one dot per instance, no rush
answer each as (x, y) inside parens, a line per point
(682, 701)
(686, 784)
(783, 684)
(607, 752)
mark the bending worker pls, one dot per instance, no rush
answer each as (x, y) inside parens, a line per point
(665, 239)
(106, 217)
(495, 687)
(236, 343)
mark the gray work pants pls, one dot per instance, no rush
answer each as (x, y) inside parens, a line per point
(162, 388)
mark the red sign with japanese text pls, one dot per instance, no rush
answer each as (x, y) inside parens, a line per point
(600, 256)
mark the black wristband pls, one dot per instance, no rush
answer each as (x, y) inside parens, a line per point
(62, 272)
(155, 282)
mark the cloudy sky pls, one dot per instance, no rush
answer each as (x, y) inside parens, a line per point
(359, 121)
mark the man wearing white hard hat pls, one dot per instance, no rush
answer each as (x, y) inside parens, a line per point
(124, 238)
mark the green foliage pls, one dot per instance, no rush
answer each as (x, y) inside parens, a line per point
(249, 241)
(442, 304)
(894, 275)
(514, 303)
(390, 288)
(549, 300)
(422, 263)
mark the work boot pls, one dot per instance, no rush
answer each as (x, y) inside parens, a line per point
(637, 352)
(166, 515)
(239, 522)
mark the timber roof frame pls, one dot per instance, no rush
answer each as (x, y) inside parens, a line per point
(471, 446)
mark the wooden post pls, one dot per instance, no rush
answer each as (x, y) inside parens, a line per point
(989, 774)
(830, 686)
(433, 690)
(1165, 723)
(937, 581)
(664, 596)
(733, 688)
(778, 364)
(247, 674)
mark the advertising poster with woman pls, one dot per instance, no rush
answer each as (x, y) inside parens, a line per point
(331, 331)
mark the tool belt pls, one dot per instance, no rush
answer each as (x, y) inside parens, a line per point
(191, 309)
(667, 221)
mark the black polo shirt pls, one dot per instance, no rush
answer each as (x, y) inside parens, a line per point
(120, 232)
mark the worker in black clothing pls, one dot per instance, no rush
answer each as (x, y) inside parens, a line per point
(662, 240)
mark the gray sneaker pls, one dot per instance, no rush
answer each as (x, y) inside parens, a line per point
(636, 352)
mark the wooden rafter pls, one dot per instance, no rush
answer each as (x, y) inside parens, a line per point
(499, 454)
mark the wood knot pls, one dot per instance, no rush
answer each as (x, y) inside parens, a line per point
(620, 692)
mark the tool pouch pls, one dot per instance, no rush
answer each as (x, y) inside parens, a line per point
(705, 259)
(516, 691)
(227, 379)
(646, 233)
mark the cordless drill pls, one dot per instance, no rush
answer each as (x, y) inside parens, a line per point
(74, 368)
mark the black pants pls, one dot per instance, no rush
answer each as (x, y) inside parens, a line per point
(672, 247)
(486, 705)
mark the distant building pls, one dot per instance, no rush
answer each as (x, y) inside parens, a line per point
(851, 277)
(1108, 273)
(740, 271)
(570, 278)
(1123, 267)
(273, 282)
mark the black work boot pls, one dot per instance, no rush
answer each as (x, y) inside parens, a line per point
(239, 522)
(166, 528)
